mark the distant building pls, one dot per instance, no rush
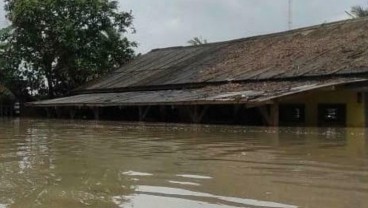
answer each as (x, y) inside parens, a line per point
(315, 76)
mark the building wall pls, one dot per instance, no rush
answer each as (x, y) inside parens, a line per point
(355, 111)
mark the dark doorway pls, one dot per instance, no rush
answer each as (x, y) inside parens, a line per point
(332, 115)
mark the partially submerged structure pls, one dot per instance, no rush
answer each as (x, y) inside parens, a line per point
(315, 76)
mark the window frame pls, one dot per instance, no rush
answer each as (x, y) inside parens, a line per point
(341, 120)
(283, 114)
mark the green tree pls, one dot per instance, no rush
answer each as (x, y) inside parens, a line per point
(197, 41)
(64, 44)
(10, 75)
(358, 12)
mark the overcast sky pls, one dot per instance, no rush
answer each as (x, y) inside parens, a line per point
(164, 23)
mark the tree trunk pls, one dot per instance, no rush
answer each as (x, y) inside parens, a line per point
(51, 87)
(48, 68)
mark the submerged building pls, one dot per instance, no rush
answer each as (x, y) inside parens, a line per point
(315, 76)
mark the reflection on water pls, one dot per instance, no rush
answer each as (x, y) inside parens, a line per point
(195, 176)
(177, 198)
(53, 163)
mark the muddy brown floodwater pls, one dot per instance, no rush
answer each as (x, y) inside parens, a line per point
(72, 164)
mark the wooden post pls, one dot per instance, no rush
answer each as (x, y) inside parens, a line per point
(163, 113)
(96, 113)
(270, 114)
(236, 112)
(197, 114)
(122, 113)
(365, 100)
(193, 113)
(58, 112)
(72, 113)
(264, 112)
(203, 113)
(11, 111)
(143, 111)
(274, 114)
(140, 113)
(48, 112)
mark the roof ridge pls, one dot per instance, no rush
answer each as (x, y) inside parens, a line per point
(325, 49)
(267, 35)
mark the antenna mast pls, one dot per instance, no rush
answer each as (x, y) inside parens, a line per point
(290, 14)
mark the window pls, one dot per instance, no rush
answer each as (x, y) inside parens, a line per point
(292, 114)
(332, 114)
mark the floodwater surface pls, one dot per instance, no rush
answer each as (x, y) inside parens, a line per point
(72, 164)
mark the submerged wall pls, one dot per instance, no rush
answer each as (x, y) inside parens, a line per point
(354, 101)
(353, 104)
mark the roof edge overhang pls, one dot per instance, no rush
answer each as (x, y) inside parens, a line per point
(194, 85)
(249, 103)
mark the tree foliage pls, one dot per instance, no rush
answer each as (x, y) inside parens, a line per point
(358, 12)
(59, 44)
(197, 41)
(10, 75)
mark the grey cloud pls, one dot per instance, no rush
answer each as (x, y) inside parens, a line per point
(164, 23)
